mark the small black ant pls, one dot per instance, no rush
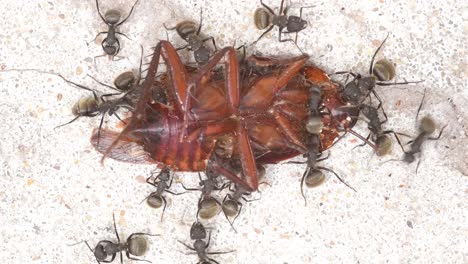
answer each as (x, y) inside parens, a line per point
(265, 17)
(426, 128)
(110, 44)
(162, 182)
(190, 32)
(198, 233)
(135, 245)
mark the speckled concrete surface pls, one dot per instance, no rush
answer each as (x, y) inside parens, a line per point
(54, 192)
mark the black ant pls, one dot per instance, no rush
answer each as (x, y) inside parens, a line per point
(208, 206)
(426, 128)
(265, 17)
(198, 233)
(110, 44)
(135, 245)
(358, 89)
(156, 199)
(190, 32)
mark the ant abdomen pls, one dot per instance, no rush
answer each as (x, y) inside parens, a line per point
(112, 16)
(208, 208)
(314, 178)
(384, 70)
(86, 106)
(262, 18)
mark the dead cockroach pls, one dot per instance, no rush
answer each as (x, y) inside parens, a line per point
(135, 245)
(162, 182)
(190, 32)
(182, 133)
(198, 233)
(265, 17)
(110, 44)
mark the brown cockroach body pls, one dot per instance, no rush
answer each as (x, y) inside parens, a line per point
(264, 115)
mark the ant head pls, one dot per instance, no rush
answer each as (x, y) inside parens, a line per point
(208, 207)
(99, 252)
(314, 178)
(351, 93)
(202, 55)
(409, 157)
(112, 17)
(137, 245)
(296, 24)
(154, 200)
(110, 49)
(197, 231)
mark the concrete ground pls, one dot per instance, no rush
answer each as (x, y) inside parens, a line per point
(54, 191)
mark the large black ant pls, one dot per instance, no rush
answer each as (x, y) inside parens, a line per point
(105, 251)
(110, 44)
(208, 206)
(265, 17)
(162, 182)
(358, 89)
(190, 32)
(198, 233)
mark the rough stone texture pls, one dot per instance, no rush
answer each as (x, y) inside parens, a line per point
(54, 192)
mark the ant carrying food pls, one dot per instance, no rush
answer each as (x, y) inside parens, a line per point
(135, 245)
(156, 199)
(198, 233)
(110, 44)
(265, 17)
(190, 32)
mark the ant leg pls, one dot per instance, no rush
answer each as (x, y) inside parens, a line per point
(421, 104)
(141, 234)
(136, 259)
(98, 34)
(281, 8)
(129, 14)
(212, 41)
(337, 176)
(100, 127)
(115, 228)
(375, 54)
(164, 208)
(103, 84)
(94, 59)
(269, 9)
(148, 195)
(302, 184)
(362, 138)
(121, 257)
(187, 246)
(201, 22)
(304, 7)
(380, 106)
(122, 34)
(73, 120)
(363, 144)
(189, 189)
(440, 134)
(212, 260)
(209, 239)
(183, 47)
(263, 34)
(99, 12)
